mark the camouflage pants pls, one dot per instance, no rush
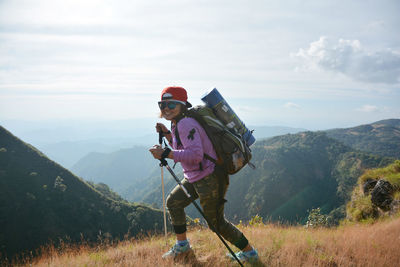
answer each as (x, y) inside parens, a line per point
(207, 189)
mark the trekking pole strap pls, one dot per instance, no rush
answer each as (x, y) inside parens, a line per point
(166, 152)
(164, 155)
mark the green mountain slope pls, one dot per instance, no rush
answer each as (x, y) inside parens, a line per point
(41, 201)
(381, 137)
(296, 173)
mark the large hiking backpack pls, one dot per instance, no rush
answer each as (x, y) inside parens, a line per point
(232, 151)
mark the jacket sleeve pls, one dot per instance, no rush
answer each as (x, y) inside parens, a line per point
(189, 134)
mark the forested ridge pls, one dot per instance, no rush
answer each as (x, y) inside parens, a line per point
(42, 202)
(381, 137)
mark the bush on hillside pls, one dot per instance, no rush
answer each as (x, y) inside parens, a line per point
(316, 219)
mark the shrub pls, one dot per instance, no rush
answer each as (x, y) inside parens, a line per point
(58, 184)
(316, 219)
(256, 220)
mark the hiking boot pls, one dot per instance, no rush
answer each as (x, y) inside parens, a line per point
(248, 256)
(177, 250)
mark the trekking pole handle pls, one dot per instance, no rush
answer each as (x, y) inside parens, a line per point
(163, 162)
(160, 135)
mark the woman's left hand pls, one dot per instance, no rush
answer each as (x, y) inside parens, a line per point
(156, 151)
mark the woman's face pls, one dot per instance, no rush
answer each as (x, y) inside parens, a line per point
(168, 110)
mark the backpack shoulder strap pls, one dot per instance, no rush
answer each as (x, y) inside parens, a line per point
(178, 139)
(206, 156)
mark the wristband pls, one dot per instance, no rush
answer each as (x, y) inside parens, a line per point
(165, 153)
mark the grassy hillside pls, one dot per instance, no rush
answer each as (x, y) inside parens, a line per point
(40, 201)
(357, 245)
(380, 138)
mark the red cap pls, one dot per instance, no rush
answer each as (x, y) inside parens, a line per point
(175, 93)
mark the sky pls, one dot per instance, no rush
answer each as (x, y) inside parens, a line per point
(312, 64)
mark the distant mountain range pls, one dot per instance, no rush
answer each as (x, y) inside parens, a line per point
(262, 132)
(69, 153)
(381, 137)
(67, 141)
(118, 169)
(40, 201)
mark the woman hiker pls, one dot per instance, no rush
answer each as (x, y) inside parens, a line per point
(201, 176)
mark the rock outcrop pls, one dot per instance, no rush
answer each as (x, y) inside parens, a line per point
(382, 195)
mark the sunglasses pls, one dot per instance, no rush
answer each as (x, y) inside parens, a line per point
(170, 104)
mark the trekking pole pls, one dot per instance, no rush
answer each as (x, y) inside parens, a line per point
(165, 163)
(162, 187)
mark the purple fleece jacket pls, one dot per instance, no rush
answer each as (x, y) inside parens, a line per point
(195, 143)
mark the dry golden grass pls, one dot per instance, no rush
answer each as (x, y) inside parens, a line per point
(356, 245)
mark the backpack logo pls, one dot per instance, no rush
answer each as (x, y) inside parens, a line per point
(191, 134)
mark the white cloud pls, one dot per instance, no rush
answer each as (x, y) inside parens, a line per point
(351, 59)
(292, 105)
(368, 108)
